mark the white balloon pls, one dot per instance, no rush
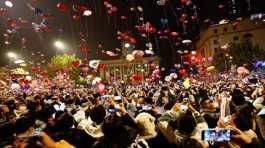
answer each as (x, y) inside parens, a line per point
(9, 4)
(87, 13)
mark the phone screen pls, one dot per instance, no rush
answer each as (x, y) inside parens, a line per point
(216, 135)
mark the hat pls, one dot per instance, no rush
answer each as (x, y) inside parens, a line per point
(131, 107)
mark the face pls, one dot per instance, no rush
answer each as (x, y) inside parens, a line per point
(209, 104)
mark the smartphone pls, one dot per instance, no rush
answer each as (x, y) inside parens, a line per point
(37, 132)
(216, 135)
(116, 98)
(146, 107)
(112, 110)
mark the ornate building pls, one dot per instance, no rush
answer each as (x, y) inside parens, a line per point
(121, 69)
(221, 36)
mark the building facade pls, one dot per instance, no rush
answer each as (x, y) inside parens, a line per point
(121, 69)
(221, 36)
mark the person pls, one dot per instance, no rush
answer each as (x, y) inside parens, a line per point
(26, 136)
(92, 122)
(209, 111)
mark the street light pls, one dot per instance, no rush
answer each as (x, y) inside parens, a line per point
(11, 55)
(59, 45)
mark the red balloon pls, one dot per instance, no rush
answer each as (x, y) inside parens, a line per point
(109, 12)
(174, 34)
(182, 72)
(114, 9)
(76, 63)
(62, 7)
(100, 46)
(194, 17)
(184, 1)
(123, 17)
(76, 17)
(221, 6)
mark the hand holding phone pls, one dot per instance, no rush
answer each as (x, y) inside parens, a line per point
(217, 135)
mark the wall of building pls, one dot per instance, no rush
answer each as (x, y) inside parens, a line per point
(122, 69)
(216, 37)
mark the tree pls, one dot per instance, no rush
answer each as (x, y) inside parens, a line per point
(61, 61)
(239, 54)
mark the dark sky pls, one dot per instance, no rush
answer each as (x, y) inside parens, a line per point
(102, 29)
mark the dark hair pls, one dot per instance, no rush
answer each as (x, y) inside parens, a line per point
(238, 97)
(187, 123)
(7, 130)
(191, 143)
(64, 121)
(23, 124)
(98, 114)
(119, 131)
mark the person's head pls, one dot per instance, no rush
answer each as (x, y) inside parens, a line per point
(207, 104)
(24, 125)
(63, 121)
(191, 143)
(238, 97)
(243, 118)
(187, 123)
(97, 114)
(146, 123)
(119, 131)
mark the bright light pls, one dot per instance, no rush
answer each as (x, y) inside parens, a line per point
(87, 13)
(193, 52)
(11, 55)
(127, 45)
(9, 4)
(19, 61)
(59, 45)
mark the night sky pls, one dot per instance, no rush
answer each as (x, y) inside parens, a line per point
(101, 28)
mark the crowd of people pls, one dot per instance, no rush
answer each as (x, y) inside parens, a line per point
(148, 115)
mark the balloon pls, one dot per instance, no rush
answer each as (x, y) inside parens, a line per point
(94, 64)
(9, 4)
(110, 53)
(242, 70)
(123, 17)
(168, 78)
(62, 7)
(129, 57)
(76, 63)
(210, 59)
(210, 68)
(101, 87)
(183, 2)
(138, 54)
(97, 80)
(182, 72)
(221, 6)
(87, 13)
(76, 17)
(174, 34)
(186, 41)
(140, 8)
(79, 8)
